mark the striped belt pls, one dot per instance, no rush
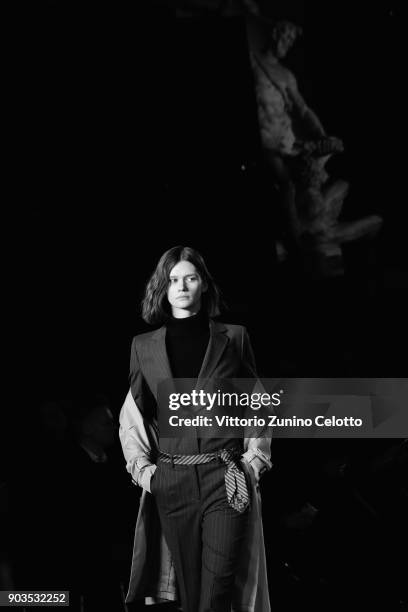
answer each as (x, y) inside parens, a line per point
(235, 483)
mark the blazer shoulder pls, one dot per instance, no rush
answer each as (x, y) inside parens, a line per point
(145, 338)
(235, 331)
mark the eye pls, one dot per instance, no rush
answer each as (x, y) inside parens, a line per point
(191, 279)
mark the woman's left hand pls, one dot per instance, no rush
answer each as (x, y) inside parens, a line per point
(257, 466)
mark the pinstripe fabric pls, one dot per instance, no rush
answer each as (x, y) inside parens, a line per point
(203, 532)
(235, 483)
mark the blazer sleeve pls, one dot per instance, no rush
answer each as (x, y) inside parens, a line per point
(259, 445)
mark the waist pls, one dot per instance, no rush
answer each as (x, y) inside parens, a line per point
(193, 445)
(223, 455)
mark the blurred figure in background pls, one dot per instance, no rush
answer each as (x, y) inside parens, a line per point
(98, 522)
(68, 529)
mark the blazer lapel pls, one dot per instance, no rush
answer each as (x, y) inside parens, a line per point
(161, 362)
(162, 382)
(216, 347)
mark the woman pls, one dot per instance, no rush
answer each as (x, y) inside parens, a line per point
(198, 485)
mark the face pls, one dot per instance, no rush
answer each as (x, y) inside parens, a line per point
(185, 290)
(285, 41)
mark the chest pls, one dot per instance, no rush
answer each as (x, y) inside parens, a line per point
(217, 357)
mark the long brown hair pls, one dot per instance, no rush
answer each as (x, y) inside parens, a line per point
(155, 306)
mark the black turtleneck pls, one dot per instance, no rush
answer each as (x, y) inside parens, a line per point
(186, 343)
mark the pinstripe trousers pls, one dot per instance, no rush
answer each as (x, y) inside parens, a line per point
(204, 534)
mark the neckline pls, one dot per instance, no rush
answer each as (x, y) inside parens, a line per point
(197, 321)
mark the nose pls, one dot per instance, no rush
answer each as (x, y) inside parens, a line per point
(182, 284)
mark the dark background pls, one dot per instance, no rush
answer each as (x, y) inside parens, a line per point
(128, 137)
(130, 133)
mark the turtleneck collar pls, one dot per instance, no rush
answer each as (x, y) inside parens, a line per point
(189, 325)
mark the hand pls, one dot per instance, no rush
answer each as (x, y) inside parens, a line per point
(257, 466)
(329, 144)
(326, 145)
